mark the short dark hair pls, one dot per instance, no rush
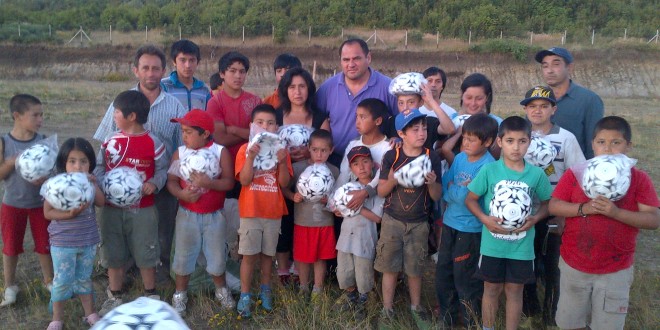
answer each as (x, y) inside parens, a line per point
(185, 46)
(286, 61)
(482, 126)
(230, 58)
(22, 102)
(267, 108)
(149, 50)
(376, 107)
(418, 120)
(362, 43)
(434, 70)
(71, 144)
(287, 80)
(321, 134)
(478, 80)
(132, 101)
(215, 81)
(614, 123)
(515, 124)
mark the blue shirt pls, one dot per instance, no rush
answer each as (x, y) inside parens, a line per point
(195, 98)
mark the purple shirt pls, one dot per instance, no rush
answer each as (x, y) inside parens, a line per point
(334, 98)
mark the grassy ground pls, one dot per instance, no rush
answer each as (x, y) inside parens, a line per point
(75, 108)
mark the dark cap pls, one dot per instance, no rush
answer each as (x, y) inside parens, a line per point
(198, 118)
(358, 151)
(539, 93)
(404, 118)
(561, 52)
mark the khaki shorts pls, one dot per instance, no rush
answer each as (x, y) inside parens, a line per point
(355, 271)
(601, 298)
(402, 247)
(258, 235)
(126, 233)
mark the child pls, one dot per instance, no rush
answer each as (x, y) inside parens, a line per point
(215, 82)
(260, 225)
(356, 246)
(540, 106)
(200, 225)
(460, 236)
(21, 201)
(313, 231)
(281, 65)
(74, 236)
(133, 233)
(181, 83)
(404, 228)
(507, 261)
(598, 244)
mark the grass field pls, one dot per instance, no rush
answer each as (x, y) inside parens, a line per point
(75, 108)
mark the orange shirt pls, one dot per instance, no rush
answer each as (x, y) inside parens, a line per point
(263, 197)
(273, 99)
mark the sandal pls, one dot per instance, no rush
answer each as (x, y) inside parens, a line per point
(55, 325)
(91, 319)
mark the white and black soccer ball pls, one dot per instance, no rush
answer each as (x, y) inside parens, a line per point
(342, 197)
(122, 186)
(541, 152)
(460, 120)
(143, 313)
(407, 83)
(270, 144)
(68, 191)
(315, 182)
(414, 173)
(511, 204)
(36, 162)
(607, 175)
(202, 161)
(295, 135)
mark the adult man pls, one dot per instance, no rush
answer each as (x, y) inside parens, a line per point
(340, 95)
(578, 109)
(149, 66)
(436, 80)
(181, 83)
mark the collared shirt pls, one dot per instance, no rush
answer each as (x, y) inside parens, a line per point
(164, 108)
(578, 111)
(334, 98)
(195, 98)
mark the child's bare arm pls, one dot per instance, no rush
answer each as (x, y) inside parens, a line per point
(6, 164)
(373, 217)
(648, 217)
(247, 172)
(447, 149)
(52, 213)
(492, 223)
(531, 220)
(435, 188)
(226, 180)
(385, 187)
(283, 175)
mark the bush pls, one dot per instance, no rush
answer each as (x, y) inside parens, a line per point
(415, 36)
(517, 49)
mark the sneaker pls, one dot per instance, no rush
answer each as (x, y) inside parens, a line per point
(152, 296)
(266, 298)
(109, 305)
(422, 317)
(285, 280)
(243, 306)
(347, 300)
(224, 297)
(386, 319)
(49, 287)
(179, 301)
(55, 325)
(10, 295)
(91, 319)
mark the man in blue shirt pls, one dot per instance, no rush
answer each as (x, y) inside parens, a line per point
(181, 83)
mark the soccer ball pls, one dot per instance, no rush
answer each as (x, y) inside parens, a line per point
(142, 313)
(68, 191)
(607, 175)
(511, 204)
(36, 162)
(460, 120)
(270, 144)
(122, 186)
(295, 135)
(341, 198)
(315, 182)
(201, 160)
(541, 152)
(407, 83)
(414, 173)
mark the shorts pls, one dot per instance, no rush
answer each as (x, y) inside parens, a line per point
(129, 233)
(258, 235)
(601, 298)
(285, 241)
(73, 271)
(311, 244)
(13, 223)
(355, 271)
(197, 233)
(402, 246)
(503, 270)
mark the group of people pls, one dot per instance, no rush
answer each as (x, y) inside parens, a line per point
(364, 129)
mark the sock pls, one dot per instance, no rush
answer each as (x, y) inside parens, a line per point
(487, 328)
(265, 287)
(281, 272)
(150, 292)
(317, 289)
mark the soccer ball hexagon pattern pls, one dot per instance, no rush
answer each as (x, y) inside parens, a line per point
(512, 205)
(267, 158)
(295, 135)
(414, 173)
(460, 120)
(36, 162)
(342, 198)
(122, 186)
(68, 191)
(407, 83)
(142, 313)
(315, 182)
(540, 152)
(607, 175)
(201, 160)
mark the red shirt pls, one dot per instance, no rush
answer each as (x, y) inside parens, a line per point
(210, 201)
(233, 112)
(598, 244)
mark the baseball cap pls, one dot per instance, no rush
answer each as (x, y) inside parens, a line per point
(196, 117)
(561, 52)
(539, 93)
(358, 151)
(404, 118)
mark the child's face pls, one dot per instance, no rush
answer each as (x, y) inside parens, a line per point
(31, 119)
(539, 111)
(298, 91)
(191, 137)
(77, 161)
(186, 65)
(266, 121)
(474, 100)
(121, 121)
(473, 146)
(361, 167)
(319, 150)
(609, 142)
(409, 102)
(365, 122)
(234, 76)
(514, 145)
(414, 136)
(279, 73)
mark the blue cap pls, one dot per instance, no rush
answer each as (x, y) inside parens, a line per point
(561, 52)
(404, 118)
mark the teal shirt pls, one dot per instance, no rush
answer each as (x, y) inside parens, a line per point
(534, 180)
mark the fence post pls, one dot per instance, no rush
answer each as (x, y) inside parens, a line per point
(375, 37)
(593, 35)
(500, 34)
(342, 33)
(309, 36)
(179, 31)
(210, 38)
(470, 38)
(243, 34)
(19, 29)
(406, 42)
(273, 32)
(111, 34)
(531, 37)
(564, 39)
(146, 33)
(50, 32)
(437, 38)
(625, 33)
